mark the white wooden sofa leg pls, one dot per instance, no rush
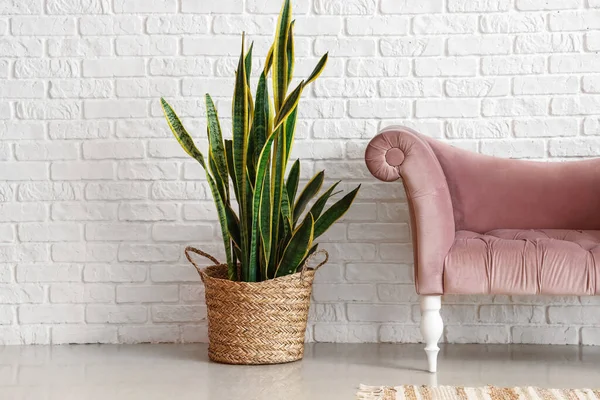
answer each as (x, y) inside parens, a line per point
(432, 328)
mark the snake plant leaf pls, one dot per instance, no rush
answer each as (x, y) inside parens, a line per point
(286, 213)
(290, 53)
(240, 147)
(297, 248)
(230, 168)
(237, 254)
(318, 69)
(289, 105)
(319, 205)
(215, 174)
(233, 225)
(277, 186)
(248, 209)
(292, 181)
(271, 118)
(250, 102)
(248, 62)
(266, 221)
(217, 149)
(280, 59)
(246, 229)
(290, 124)
(251, 150)
(221, 212)
(310, 190)
(261, 117)
(269, 61)
(251, 165)
(290, 131)
(335, 212)
(261, 173)
(240, 124)
(250, 107)
(184, 138)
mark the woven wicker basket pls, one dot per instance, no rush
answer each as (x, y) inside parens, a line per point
(255, 323)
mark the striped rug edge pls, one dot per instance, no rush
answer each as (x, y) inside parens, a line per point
(412, 392)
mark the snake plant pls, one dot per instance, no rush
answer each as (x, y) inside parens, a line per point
(274, 229)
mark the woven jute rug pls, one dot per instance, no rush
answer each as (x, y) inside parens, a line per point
(409, 392)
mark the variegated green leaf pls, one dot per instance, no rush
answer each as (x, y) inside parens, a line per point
(310, 190)
(233, 225)
(286, 213)
(269, 61)
(230, 166)
(292, 183)
(319, 205)
(335, 212)
(297, 248)
(251, 150)
(290, 54)
(266, 221)
(220, 205)
(237, 255)
(277, 186)
(214, 171)
(240, 150)
(289, 105)
(240, 124)
(318, 69)
(217, 149)
(280, 59)
(261, 173)
(248, 62)
(261, 117)
(184, 138)
(290, 131)
(249, 272)
(250, 109)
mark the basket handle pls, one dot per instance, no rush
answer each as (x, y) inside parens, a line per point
(319, 265)
(201, 253)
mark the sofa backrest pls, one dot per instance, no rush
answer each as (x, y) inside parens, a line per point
(492, 193)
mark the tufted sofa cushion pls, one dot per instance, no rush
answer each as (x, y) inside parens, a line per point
(517, 261)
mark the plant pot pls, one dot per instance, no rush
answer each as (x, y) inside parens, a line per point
(255, 322)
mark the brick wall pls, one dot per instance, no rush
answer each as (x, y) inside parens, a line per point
(97, 200)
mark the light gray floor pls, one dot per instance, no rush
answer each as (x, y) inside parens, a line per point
(329, 371)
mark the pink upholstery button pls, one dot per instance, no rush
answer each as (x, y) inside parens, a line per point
(394, 156)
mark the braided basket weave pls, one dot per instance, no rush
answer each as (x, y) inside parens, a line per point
(255, 322)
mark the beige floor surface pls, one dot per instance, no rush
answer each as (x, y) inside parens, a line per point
(328, 372)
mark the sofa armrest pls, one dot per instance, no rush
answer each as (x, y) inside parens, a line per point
(399, 152)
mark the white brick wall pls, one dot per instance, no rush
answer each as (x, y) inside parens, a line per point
(97, 200)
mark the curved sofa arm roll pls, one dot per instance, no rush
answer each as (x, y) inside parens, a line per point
(399, 152)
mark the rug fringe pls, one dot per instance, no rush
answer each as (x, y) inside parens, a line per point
(370, 392)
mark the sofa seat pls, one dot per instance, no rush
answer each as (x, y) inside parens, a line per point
(524, 261)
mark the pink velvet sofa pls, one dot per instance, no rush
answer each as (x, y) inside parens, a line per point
(488, 225)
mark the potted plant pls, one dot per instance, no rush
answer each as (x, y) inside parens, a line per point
(258, 300)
